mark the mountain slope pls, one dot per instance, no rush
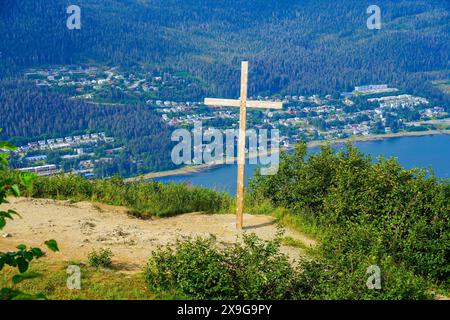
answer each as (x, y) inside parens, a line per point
(294, 46)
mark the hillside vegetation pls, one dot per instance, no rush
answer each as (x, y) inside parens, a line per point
(366, 214)
(309, 46)
(363, 212)
(144, 199)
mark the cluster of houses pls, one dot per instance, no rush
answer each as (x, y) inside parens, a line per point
(400, 101)
(304, 117)
(434, 112)
(87, 82)
(67, 142)
(79, 150)
(44, 170)
(373, 89)
(303, 112)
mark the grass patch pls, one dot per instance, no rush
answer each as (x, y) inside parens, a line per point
(95, 284)
(291, 242)
(298, 222)
(285, 217)
(143, 199)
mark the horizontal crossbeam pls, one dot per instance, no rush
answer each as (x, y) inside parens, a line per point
(237, 103)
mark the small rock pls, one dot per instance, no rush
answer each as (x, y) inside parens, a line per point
(6, 235)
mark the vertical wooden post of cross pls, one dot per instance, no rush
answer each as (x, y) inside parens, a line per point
(243, 104)
(241, 146)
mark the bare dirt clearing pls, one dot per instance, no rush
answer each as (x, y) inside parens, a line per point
(80, 227)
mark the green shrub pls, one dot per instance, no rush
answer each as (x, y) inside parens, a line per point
(100, 258)
(373, 206)
(199, 268)
(340, 280)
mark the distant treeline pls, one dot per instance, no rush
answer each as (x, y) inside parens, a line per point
(300, 47)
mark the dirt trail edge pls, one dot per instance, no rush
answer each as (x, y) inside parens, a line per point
(82, 226)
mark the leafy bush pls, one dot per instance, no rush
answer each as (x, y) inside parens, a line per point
(339, 280)
(365, 208)
(198, 268)
(100, 258)
(201, 269)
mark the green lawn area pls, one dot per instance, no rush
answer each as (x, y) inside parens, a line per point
(96, 284)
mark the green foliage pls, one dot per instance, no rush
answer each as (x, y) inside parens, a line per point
(52, 245)
(328, 279)
(365, 208)
(144, 198)
(95, 283)
(100, 258)
(21, 258)
(201, 269)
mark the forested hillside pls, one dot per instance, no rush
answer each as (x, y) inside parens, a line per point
(30, 113)
(294, 47)
(298, 46)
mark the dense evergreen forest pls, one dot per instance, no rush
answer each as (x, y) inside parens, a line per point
(295, 47)
(30, 113)
(307, 46)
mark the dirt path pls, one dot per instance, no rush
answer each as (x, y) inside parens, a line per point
(82, 226)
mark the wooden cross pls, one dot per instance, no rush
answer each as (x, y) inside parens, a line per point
(243, 103)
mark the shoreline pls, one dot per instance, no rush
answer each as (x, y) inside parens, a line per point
(317, 143)
(375, 137)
